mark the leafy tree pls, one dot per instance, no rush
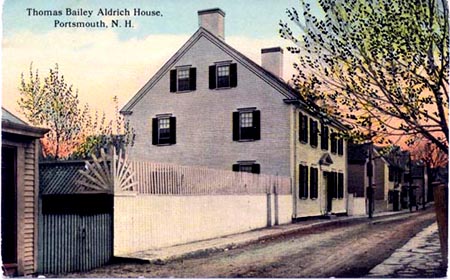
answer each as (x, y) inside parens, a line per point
(378, 63)
(74, 132)
(53, 104)
(100, 134)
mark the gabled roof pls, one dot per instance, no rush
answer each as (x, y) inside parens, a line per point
(265, 75)
(290, 95)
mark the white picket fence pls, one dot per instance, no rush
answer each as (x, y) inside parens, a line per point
(170, 179)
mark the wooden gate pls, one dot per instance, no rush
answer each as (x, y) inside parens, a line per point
(76, 233)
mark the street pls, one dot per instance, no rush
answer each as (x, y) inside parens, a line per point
(344, 249)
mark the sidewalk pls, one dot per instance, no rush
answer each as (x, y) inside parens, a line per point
(419, 258)
(224, 243)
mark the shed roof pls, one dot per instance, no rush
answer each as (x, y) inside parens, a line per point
(13, 125)
(8, 116)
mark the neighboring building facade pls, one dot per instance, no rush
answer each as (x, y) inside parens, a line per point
(358, 159)
(20, 188)
(209, 105)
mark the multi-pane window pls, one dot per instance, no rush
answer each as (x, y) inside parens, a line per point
(324, 137)
(314, 183)
(250, 167)
(223, 76)
(246, 119)
(313, 140)
(303, 182)
(164, 130)
(183, 79)
(246, 125)
(303, 127)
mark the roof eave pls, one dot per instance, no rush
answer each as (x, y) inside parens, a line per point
(23, 129)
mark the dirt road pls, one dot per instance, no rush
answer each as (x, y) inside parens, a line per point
(347, 249)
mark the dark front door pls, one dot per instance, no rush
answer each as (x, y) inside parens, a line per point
(330, 189)
(9, 207)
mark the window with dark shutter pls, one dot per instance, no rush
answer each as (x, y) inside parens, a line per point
(333, 142)
(249, 167)
(340, 194)
(223, 75)
(163, 130)
(183, 79)
(324, 137)
(246, 125)
(303, 182)
(313, 133)
(314, 183)
(303, 129)
(340, 150)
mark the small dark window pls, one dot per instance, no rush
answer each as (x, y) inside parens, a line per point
(303, 127)
(333, 141)
(183, 79)
(340, 186)
(247, 167)
(314, 182)
(164, 130)
(340, 146)
(324, 137)
(223, 76)
(246, 125)
(303, 182)
(313, 140)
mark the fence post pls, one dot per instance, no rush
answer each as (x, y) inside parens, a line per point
(269, 208)
(440, 192)
(275, 201)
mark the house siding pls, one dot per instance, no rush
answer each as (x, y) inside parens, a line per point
(26, 204)
(307, 155)
(204, 118)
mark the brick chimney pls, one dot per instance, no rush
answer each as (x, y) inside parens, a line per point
(213, 20)
(272, 60)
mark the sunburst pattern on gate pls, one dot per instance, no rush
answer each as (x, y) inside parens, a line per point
(108, 174)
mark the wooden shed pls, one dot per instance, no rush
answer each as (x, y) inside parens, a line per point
(75, 224)
(20, 184)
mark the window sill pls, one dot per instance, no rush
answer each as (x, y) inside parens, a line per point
(161, 145)
(314, 146)
(184, 91)
(246, 140)
(303, 198)
(303, 142)
(222, 88)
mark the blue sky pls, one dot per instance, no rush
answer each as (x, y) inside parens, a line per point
(101, 63)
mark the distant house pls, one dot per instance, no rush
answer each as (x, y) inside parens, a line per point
(388, 174)
(210, 105)
(358, 158)
(20, 185)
